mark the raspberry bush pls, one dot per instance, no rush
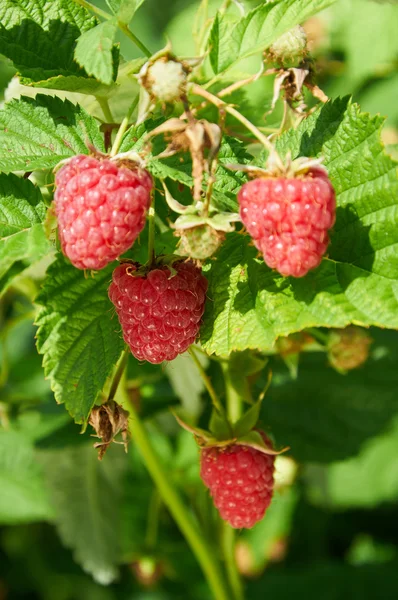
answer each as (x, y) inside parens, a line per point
(198, 274)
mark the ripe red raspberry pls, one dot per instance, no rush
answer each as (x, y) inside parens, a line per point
(240, 480)
(289, 218)
(159, 313)
(101, 209)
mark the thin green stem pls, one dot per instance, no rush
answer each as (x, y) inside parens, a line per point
(225, 6)
(177, 508)
(4, 366)
(204, 27)
(153, 520)
(151, 232)
(199, 91)
(212, 393)
(126, 30)
(228, 546)
(124, 126)
(104, 104)
(94, 9)
(122, 26)
(4, 418)
(234, 401)
(118, 374)
(244, 82)
(161, 226)
(234, 410)
(321, 337)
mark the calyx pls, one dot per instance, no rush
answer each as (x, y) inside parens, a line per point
(222, 433)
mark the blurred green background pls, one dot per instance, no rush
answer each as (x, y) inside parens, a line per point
(70, 524)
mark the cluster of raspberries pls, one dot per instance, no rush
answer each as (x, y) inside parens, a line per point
(101, 209)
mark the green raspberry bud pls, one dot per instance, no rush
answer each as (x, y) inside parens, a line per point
(165, 79)
(199, 242)
(290, 48)
(348, 348)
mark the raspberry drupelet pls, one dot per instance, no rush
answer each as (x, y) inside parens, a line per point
(101, 209)
(160, 313)
(289, 218)
(240, 480)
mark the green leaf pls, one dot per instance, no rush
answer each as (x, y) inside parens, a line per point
(324, 416)
(363, 481)
(38, 133)
(219, 425)
(124, 9)
(23, 497)
(255, 440)
(73, 83)
(22, 236)
(86, 495)
(79, 339)
(94, 51)
(228, 182)
(358, 283)
(248, 421)
(40, 37)
(231, 42)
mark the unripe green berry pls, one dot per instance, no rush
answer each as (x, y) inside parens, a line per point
(165, 79)
(199, 242)
(290, 48)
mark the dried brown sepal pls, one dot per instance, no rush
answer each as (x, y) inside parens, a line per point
(108, 420)
(290, 83)
(277, 167)
(201, 139)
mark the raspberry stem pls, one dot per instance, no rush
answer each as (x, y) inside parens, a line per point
(234, 409)
(104, 104)
(94, 9)
(228, 546)
(124, 126)
(153, 520)
(208, 385)
(118, 374)
(322, 338)
(234, 403)
(220, 104)
(177, 508)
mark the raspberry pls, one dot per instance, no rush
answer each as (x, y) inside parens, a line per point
(289, 218)
(101, 209)
(240, 480)
(160, 314)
